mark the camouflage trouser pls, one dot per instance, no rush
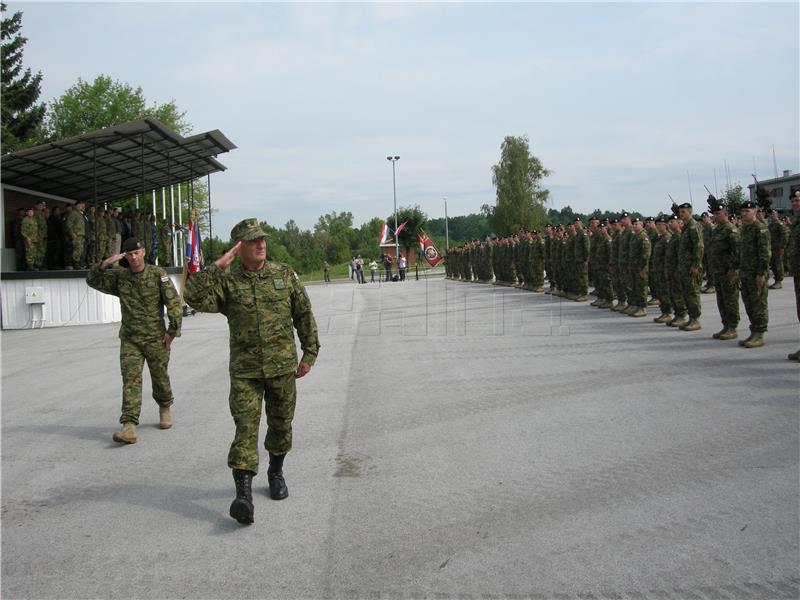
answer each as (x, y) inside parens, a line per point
(41, 249)
(676, 295)
(278, 394)
(638, 295)
(131, 361)
(755, 302)
(664, 297)
(776, 264)
(727, 299)
(796, 278)
(77, 251)
(30, 256)
(690, 287)
(581, 279)
(619, 287)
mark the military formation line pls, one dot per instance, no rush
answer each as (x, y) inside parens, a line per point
(662, 262)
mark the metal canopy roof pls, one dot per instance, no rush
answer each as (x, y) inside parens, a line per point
(124, 159)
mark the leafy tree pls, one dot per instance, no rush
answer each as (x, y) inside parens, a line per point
(104, 102)
(461, 229)
(417, 220)
(520, 198)
(333, 234)
(365, 239)
(20, 116)
(733, 199)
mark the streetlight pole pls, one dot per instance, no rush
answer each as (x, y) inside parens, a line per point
(446, 229)
(394, 159)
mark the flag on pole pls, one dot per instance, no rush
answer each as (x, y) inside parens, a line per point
(384, 234)
(428, 249)
(194, 253)
(399, 229)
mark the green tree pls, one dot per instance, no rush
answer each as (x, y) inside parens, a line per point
(461, 229)
(20, 116)
(333, 234)
(417, 220)
(733, 198)
(104, 102)
(520, 198)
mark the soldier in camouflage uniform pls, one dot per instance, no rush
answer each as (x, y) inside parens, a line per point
(622, 263)
(754, 259)
(659, 270)
(779, 236)
(76, 229)
(707, 228)
(690, 265)
(671, 268)
(580, 263)
(794, 259)
(41, 233)
(30, 232)
(639, 251)
(537, 262)
(601, 274)
(262, 300)
(723, 264)
(143, 293)
(613, 266)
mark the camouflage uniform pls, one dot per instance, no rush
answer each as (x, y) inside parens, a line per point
(659, 273)
(76, 226)
(622, 265)
(690, 254)
(723, 258)
(261, 308)
(754, 257)
(30, 233)
(616, 274)
(580, 264)
(779, 237)
(639, 251)
(602, 278)
(671, 266)
(41, 237)
(142, 298)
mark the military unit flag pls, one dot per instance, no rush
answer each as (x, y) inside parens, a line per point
(428, 249)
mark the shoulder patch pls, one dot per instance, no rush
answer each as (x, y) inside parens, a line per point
(164, 278)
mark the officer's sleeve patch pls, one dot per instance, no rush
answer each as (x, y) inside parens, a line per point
(164, 278)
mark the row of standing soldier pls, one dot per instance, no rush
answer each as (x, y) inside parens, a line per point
(625, 258)
(79, 236)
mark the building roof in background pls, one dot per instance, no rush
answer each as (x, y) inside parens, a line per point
(133, 157)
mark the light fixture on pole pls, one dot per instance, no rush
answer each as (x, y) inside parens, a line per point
(446, 228)
(394, 159)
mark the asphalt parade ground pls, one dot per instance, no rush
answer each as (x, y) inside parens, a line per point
(454, 440)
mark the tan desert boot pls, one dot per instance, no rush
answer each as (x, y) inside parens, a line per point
(127, 435)
(165, 418)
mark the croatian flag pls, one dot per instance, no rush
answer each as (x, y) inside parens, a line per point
(194, 253)
(384, 234)
(400, 228)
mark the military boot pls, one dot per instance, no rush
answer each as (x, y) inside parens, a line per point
(277, 485)
(242, 505)
(719, 333)
(663, 318)
(653, 302)
(679, 322)
(164, 417)
(127, 435)
(620, 307)
(692, 325)
(710, 290)
(582, 298)
(669, 320)
(743, 342)
(776, 286)
(794, 355)
(640, 311)
(756, 340)
(729, 334)
(630, 310)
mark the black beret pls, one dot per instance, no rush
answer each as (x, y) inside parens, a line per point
(685, 205)
(749, 204)
(674, 218)
(131, 244)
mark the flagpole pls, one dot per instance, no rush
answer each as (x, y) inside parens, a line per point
(394, 159)
(446, 229)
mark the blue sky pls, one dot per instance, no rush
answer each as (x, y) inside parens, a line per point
(620, 101)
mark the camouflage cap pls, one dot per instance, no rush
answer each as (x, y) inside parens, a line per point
(247, 231)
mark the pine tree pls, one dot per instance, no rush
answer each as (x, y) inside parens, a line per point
(20, 116)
